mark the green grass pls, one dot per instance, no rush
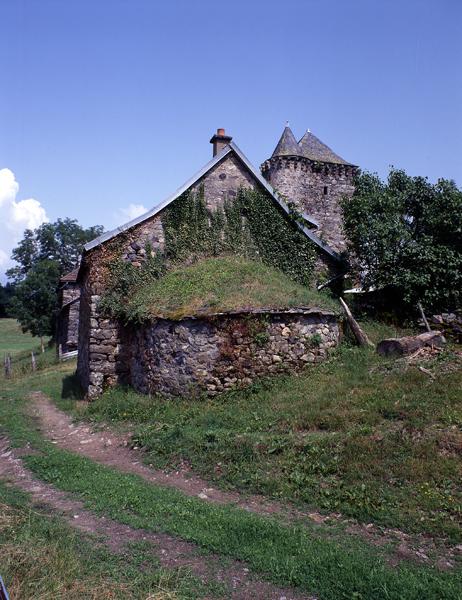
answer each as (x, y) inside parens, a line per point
(43, 558)
(292, 555)
(353, 435)
(19, 346)
(13, 340)
(21, 363)
(222, 284)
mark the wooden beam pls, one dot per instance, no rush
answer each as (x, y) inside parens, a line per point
(359, 334)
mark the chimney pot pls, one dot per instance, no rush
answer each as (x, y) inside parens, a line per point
(220, 140)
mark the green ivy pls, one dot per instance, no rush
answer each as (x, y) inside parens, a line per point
(250, 225)
(124, 278)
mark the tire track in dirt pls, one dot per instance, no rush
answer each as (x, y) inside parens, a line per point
(171, 552)
(110, 449)
(106, 447)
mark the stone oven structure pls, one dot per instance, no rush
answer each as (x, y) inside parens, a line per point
(107, 349)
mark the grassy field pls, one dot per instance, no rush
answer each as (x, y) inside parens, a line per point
(44, 558)
(358, 435)
(19, 346)
(302, 556)
(13, 340)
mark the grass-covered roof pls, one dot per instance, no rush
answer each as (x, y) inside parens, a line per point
(222, 284)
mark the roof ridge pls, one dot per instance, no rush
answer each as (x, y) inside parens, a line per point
(313, 148)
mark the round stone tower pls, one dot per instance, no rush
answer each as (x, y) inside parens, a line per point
(309, 174)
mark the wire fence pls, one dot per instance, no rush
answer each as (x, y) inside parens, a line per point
(26, 362)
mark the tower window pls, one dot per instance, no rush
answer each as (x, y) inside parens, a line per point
(325, 190)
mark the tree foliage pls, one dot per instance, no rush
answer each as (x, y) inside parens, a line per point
(60, 242)
(6, 294)
(34, 303)
(43, 256)
(406, 234)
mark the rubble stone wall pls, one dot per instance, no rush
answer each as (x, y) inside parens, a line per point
(450, 324)
(315, 188)
(213, 354)
(102, 361)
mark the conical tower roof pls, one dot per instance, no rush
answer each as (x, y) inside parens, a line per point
(312, 147)
(287, 145)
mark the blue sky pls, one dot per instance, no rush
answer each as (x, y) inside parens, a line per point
(110, 103)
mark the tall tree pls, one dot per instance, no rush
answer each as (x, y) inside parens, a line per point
(34, 303)
(61, 242)
(406, 234)
(43, 256)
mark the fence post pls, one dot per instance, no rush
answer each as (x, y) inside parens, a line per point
(34, 363)
(7, 366)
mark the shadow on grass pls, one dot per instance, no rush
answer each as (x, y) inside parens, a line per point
(71, 388)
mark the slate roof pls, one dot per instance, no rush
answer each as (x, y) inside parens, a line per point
(311, 147)
(230, 148)
(71, 276)
(287, 145)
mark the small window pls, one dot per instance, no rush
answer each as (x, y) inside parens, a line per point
(325, 190)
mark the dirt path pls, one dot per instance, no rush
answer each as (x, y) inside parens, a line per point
(170, 551)
(110, 449)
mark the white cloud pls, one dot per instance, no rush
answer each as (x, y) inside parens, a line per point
(124, 215)
(15, 217)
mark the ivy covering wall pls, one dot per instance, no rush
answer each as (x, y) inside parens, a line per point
(250, 225)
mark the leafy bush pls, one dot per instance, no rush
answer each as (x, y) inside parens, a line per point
(125, 279)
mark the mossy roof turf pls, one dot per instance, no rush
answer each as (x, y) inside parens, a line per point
(224, 284)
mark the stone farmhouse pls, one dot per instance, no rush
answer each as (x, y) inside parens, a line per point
(170, 357)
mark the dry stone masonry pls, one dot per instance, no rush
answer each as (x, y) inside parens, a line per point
(315, 189)
(309, 174)
(217, 353)
(102, 365)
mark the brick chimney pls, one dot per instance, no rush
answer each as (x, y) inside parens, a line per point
(219, 141)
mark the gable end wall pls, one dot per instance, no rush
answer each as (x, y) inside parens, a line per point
(102, 359)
